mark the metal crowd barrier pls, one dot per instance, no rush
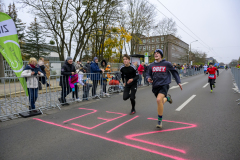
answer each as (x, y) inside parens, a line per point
(189, 72)
(14, 99)
(52, 94)
(236, 79)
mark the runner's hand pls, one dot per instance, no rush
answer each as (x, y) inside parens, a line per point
(150, 80)
(124, 84)
(180, 86)
(32, 73)
(129, 81)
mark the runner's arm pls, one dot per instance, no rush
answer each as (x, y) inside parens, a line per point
(136, 76)
(122, 77)
(149, 73)
(174, 73)
(217, 72)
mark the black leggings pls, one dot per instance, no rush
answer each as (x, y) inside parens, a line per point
(211, 82)
(127, 94)
(94, 87)
(75, 92)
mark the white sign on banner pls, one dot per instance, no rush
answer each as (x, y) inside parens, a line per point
(7, 28)
(135, 59)
(146, 57)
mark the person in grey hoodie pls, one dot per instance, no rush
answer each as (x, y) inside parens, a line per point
(159, 75)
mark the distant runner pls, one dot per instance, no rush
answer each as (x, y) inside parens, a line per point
(212, 76)
(205, 68)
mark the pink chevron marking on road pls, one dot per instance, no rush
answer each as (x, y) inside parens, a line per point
(93, 111)
(113, 140)
(121, 124)
(106, 120)
(131, 137)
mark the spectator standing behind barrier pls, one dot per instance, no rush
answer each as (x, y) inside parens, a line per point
(88, 65)
(140, 73)
(43, 79)
(144, 74)
(32, 72)
(84, 83)
(95, 75)
(104, 78)
(73, 80)
(67, 70)
(78, 65)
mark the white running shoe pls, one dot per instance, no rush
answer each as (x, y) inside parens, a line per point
(79, 100)
(159, 125)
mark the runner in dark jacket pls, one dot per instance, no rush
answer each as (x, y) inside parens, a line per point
(160, 77)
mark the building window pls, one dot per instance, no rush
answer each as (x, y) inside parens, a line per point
(140, 48)
(157, 46)
(149, 41)
(153, 46)
(153, 40)
(144, 48)
(157, 40)
(162, 46)
(162, 38)
(144, 41)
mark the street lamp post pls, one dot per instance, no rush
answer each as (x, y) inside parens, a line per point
(190, 50)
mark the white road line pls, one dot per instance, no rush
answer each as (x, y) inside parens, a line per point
(178, 86)
(205, 85)
(185, 103)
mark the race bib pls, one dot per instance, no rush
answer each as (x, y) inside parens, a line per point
(211, 75)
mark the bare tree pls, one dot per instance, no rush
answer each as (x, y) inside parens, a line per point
(140, 16)
(71, 22)
(167, 28)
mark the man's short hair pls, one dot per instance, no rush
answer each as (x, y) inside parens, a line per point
(127, 56)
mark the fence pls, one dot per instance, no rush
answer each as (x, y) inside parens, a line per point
(54, 66)
(236, 79)
(52, 94)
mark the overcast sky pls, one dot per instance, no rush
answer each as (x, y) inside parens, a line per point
(214, 23)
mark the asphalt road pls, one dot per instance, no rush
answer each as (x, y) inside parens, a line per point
(206, 128)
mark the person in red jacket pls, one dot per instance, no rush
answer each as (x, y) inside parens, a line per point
(140, 72)
(212, 75)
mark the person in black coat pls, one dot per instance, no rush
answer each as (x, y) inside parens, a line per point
(88, 65)
(67, 70)
(145, 74)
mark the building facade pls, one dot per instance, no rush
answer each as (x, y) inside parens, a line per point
(174, 49)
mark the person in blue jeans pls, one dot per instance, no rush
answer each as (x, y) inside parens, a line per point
(32, 72)
(95, 75)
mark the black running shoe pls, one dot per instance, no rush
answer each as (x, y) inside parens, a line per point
(132, 112)
(169, 99)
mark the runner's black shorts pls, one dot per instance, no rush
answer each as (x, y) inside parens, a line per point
(211, 81)
(161, 89)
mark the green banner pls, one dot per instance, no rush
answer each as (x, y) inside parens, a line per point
(9, 47)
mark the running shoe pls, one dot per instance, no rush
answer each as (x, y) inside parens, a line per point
(132, 112)
(211, 91)
(159, 125)
(214, 86)
(79, 100)
(169, 99)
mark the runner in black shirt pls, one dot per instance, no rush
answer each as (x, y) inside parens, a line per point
(129, 77)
